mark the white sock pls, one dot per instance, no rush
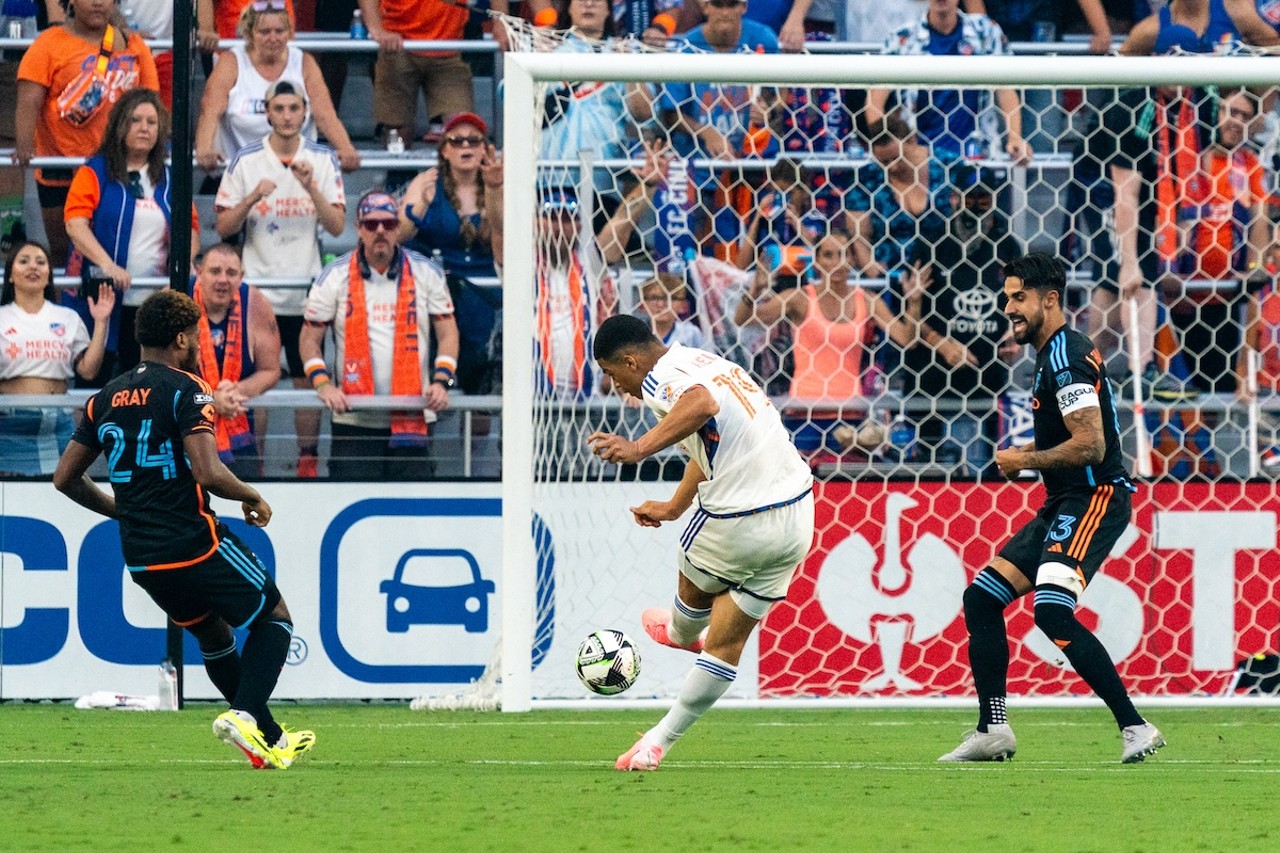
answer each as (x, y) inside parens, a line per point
(687, 623)
(246, 716)
(706, 682)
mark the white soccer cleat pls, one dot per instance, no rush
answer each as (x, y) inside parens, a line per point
(657, 624)
(995, 744)
(1139, 742)
(642, 756)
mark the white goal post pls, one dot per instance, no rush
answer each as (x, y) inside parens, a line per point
(522, 104)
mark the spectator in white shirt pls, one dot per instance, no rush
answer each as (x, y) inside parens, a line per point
(275, 191)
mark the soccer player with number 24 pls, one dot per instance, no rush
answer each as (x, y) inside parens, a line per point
(155, 425)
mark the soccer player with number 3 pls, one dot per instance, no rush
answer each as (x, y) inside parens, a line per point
(1087, 507)
(155, 424)
(754, 521)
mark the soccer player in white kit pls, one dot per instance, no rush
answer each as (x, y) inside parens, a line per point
(754, 520)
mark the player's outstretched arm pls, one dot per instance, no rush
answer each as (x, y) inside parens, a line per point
(216, 478)
(695, 407)
(72, 481)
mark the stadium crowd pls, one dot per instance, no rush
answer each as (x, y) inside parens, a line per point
(864, 261)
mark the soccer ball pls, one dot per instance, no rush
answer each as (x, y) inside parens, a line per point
(608, 662)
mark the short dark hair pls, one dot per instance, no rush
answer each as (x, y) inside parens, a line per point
(1041, 272)
(163, 315)
(224, 248)
(622, 332)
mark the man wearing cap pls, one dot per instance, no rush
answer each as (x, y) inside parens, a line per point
(274, 193)
(955, 304)
(383, 303)
(442, 77)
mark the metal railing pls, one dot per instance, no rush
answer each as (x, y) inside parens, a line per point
(465, 408)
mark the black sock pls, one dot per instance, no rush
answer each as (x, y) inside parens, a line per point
(984, 603)
(1055, 615)
(223, 667)
(261, 662)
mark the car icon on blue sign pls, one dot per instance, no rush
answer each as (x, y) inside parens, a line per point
(462, 600)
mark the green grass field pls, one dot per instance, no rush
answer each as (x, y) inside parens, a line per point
(385, 778)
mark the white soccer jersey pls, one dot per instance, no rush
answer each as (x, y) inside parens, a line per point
(45, 344)
(745, 451)
(280, 231)
(327, 303)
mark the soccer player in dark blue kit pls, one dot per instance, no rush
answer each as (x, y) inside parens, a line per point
(1087, 506)
(155, 425)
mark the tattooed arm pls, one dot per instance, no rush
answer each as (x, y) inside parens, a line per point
(1086, 446)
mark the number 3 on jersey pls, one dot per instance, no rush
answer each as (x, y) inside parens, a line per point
(740, 385)
(113, 438)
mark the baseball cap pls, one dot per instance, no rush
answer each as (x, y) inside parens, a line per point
(285, 87)
(555, 199)
(465, 118)
(376, 204)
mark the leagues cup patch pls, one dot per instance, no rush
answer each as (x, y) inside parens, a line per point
(1078, 396)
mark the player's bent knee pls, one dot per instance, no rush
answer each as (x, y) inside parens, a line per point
(212, 633)
(976, 598)
(986, 597)
(1055, 621)
(1055, 613)
(1060, 574)
(279, 613)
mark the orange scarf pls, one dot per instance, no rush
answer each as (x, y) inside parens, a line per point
(1179, 160)
(407, 428)
(230, 432)
(578, 314)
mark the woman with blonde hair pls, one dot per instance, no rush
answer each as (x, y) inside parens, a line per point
(232, 112)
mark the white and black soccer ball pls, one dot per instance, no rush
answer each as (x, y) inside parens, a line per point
(608, 662)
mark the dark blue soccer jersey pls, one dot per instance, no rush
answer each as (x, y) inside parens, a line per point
(1067, 366)
(139, 421)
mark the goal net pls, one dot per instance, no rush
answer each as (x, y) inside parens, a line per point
(837, 226)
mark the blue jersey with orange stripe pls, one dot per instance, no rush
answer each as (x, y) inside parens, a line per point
(1068, 361)
(139, 420)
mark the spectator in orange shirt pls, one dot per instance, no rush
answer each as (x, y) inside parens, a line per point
(1223, 233)
(67, 82)
(443, 77)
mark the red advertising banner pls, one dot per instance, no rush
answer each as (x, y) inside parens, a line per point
(1192, 587)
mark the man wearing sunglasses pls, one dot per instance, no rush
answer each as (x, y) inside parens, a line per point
(383, 303)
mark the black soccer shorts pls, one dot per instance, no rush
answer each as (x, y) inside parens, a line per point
(1077, 529)
(231, 583)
